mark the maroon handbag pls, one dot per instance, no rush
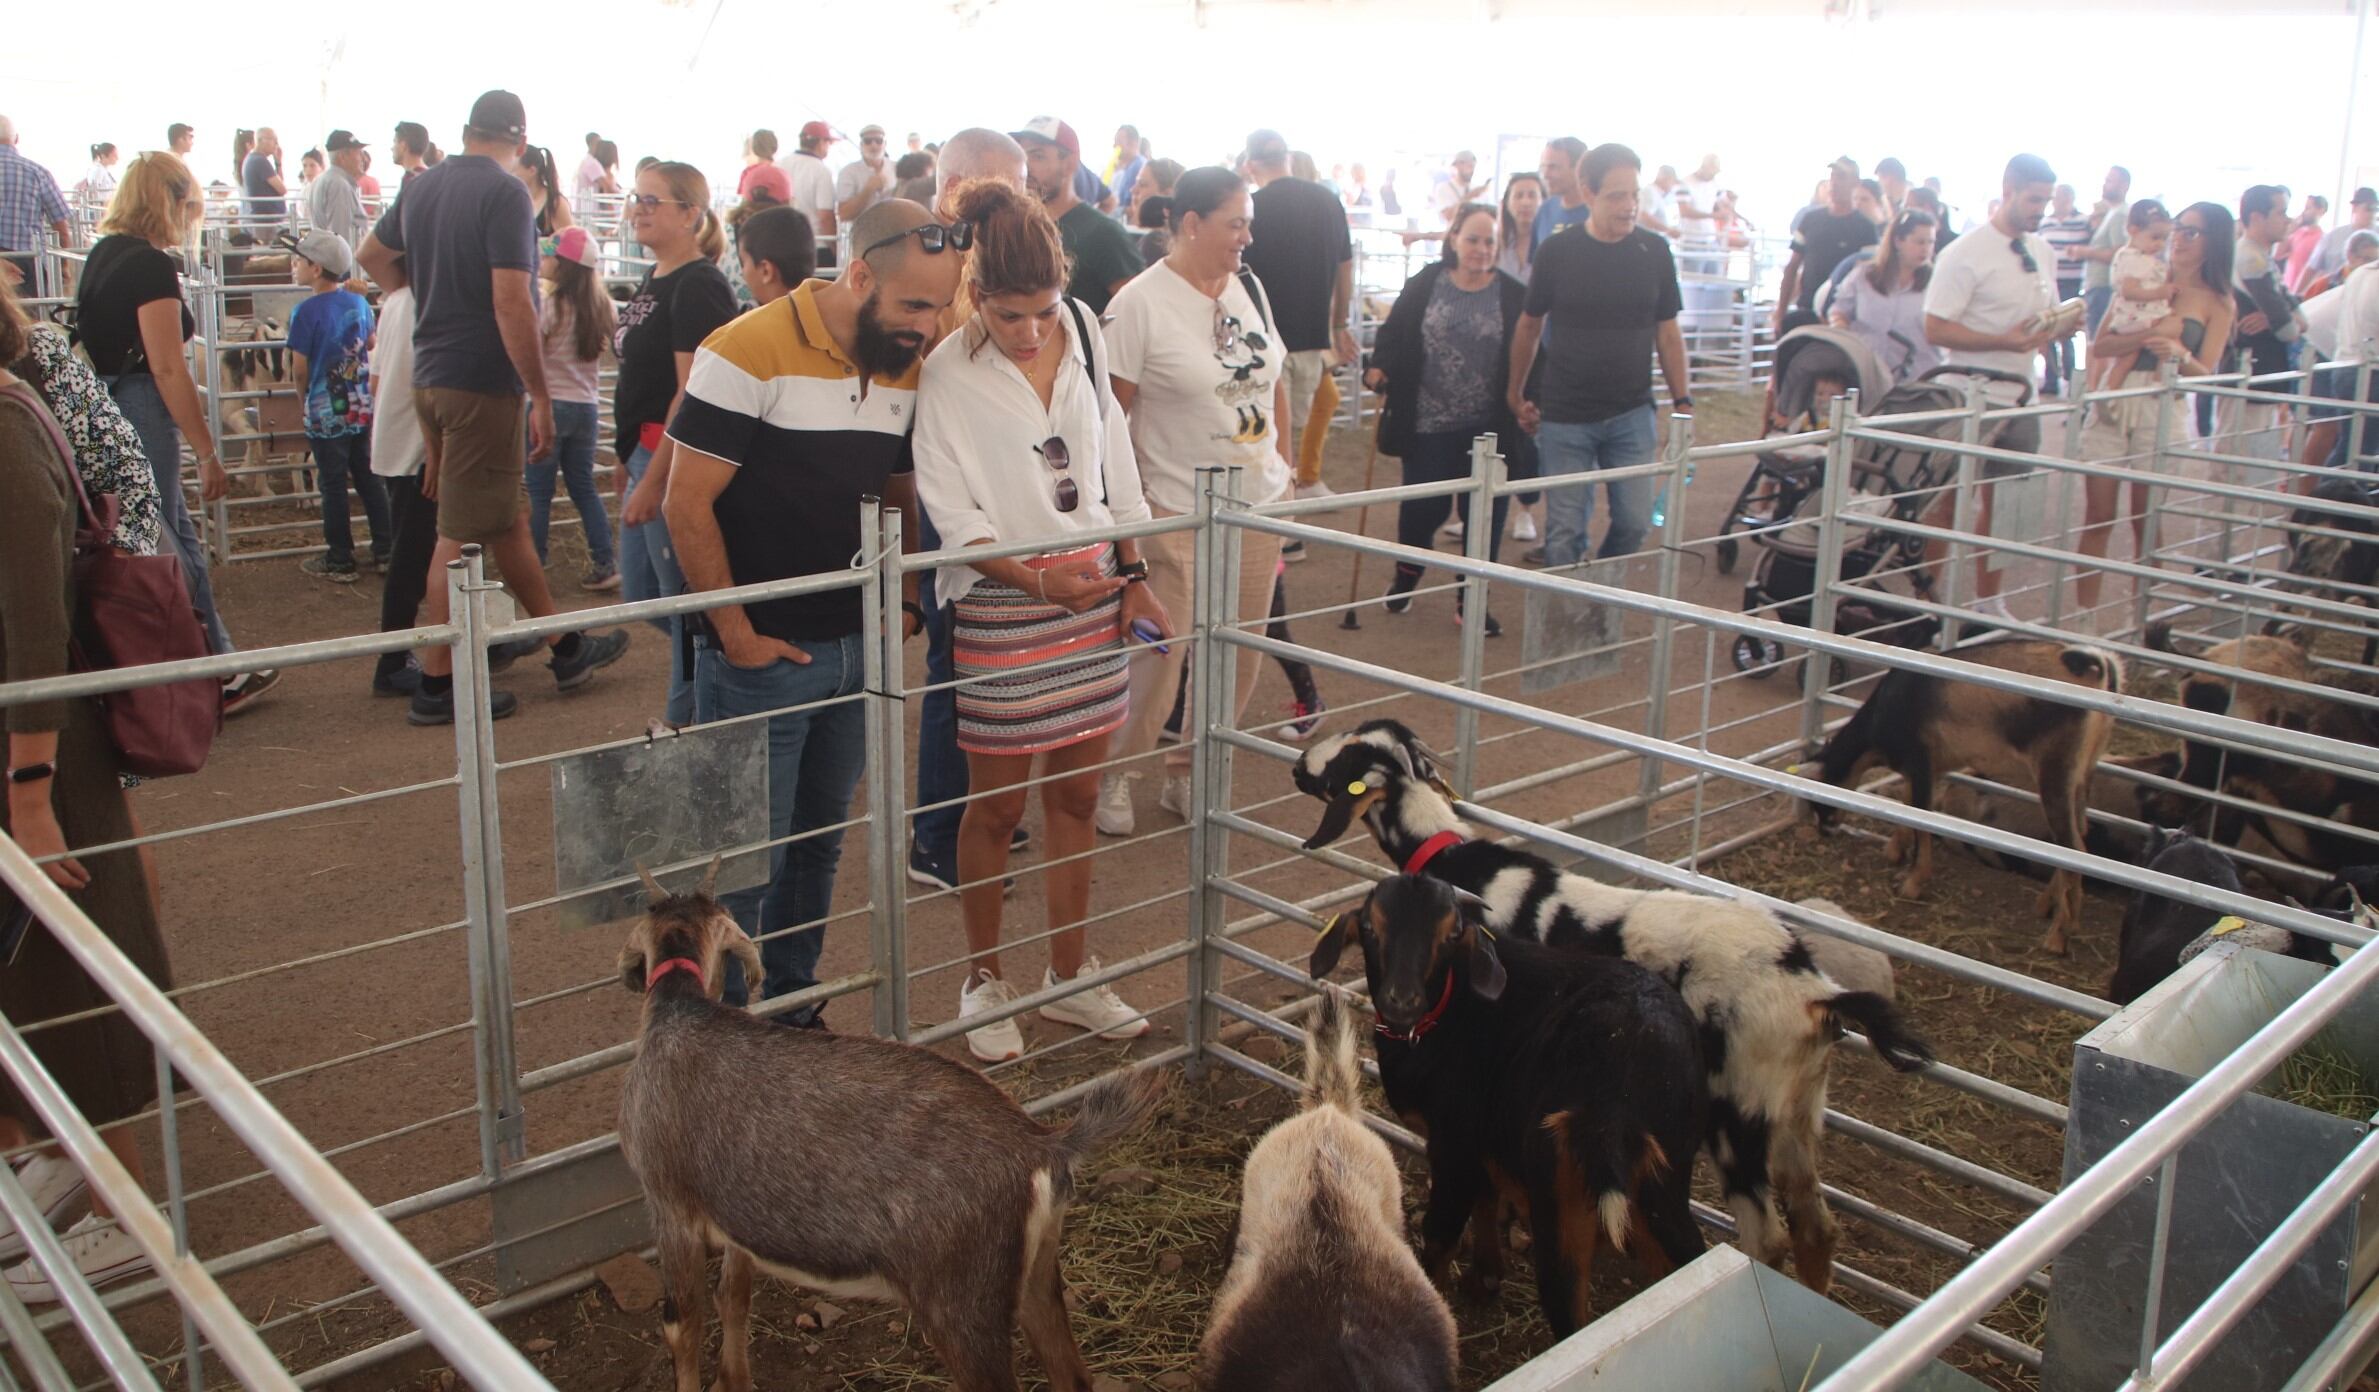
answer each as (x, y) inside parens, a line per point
(135, 610)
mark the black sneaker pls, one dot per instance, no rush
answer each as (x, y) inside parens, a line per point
(337, 570)
(403, 681)
(595, 651)
(1292, 551)
(503, 655)
(1019, 839)
(241, 691)
(1401, 586)
(439, 709)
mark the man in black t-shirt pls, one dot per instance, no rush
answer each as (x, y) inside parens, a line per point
(1822, 238)
(1100, 251)
(1299, 247)
(1602, 299)
(464, 237)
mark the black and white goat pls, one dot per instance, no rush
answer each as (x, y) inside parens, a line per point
(854, 1166)
(1324, 1294)
(1566, 1084)
(1768, 1017)
(1925, 728)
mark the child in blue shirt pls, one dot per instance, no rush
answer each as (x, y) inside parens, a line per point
(330, 338)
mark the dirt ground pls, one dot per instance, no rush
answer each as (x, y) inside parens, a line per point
(366, 899)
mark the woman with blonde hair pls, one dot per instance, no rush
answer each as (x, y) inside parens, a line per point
(131, 319)
(685, 295)
(1019, 438)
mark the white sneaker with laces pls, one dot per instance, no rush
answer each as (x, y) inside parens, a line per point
(1452, 530)
(1995, 606)
(99, 1250)
(1175, 796)
(1525, 528)
(1315, 489)
(1098, 1009)
(1000, 1040)
(1114, 817)
(55, 1186)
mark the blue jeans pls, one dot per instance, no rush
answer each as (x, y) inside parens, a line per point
(815, 758)
(137, 397)
(1565, 448)
(2094, 303)
(338, 461)
(648, 570)
(941, 766)
(573, 457)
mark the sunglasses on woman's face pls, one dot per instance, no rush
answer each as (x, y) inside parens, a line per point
(932, 236)
(1053, 452)
(650, 201)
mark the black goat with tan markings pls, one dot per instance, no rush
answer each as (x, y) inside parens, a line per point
(1568, 1085)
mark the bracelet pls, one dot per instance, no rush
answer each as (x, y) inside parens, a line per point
(33, 773)
(914, 610)
(1041, 583)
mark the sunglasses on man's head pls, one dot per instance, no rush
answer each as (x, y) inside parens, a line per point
(1054, 453)
(932, 236)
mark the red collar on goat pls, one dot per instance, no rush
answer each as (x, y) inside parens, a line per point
(1427, 1022)
(1444, 840)
(684, 964)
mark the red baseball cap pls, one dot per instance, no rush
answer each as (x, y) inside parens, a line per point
(1050, 131)
(819, 130)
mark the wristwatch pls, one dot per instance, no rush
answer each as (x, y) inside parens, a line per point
(1682, 403)
(1134, 574)
(33, 773)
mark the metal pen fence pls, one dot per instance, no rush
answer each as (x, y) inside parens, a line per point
(1686, 765)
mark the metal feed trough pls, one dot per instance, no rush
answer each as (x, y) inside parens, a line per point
(1723, 1322)
(2233, 1185)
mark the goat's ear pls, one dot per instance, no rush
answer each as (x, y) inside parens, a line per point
(651, 886)
(1344, 806)
(1336, 934)
(1428, 766)
(710, 877)
(736, 943)
(632, 965)
(1487, 976)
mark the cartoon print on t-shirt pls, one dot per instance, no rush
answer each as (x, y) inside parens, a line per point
(1241, 353)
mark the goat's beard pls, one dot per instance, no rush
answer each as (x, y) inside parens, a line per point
(883, 352)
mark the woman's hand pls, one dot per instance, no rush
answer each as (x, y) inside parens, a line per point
(644, 504)
(2167, 347)
(1838, 319)
(1075, 587)
(1140, 602)
(34, 824)
(213, 480)
(1374, 379)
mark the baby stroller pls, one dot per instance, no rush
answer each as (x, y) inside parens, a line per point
(1781, 501)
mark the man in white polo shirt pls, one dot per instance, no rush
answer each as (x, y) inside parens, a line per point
(1989, 292)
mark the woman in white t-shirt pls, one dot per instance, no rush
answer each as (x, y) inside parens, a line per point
(1019, 439)
(1197, 364)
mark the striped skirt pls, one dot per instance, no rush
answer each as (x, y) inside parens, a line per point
(1038, 676)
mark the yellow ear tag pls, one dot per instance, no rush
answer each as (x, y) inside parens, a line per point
(1358, 788)
(2229, 925)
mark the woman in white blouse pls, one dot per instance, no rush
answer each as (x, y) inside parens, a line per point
(1019, 439)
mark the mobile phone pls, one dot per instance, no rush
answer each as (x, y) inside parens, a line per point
(1147, 632)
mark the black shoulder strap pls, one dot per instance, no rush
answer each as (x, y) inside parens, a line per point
(1255, 293)
(1091, 367)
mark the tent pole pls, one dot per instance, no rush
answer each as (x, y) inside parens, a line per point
(2362, 17)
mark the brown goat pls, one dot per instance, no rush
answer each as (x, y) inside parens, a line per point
(1925, 728)
(851, 1165)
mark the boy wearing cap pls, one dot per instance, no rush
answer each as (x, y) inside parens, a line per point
(330, 343)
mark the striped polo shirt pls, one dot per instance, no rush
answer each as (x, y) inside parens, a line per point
(772, 394)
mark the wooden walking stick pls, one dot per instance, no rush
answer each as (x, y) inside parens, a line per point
(1354, 581)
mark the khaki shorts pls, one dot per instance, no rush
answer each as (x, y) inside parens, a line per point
(481, 454)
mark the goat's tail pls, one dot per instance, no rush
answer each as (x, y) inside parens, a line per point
(1112, 1109)
(2159, 636)
(1899, 1046)
(1333, 1072)
(2097, 666)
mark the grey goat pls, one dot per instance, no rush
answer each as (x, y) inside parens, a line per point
(850, 1165)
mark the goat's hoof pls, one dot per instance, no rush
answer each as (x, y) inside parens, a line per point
(1479, 1287)
(2054, 945)
(1910, 887)
(1810, 831)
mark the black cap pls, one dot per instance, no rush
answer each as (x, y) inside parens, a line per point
(342, 140)
(499, 113)
(2364, 195)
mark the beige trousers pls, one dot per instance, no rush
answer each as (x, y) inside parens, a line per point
(1172, 561)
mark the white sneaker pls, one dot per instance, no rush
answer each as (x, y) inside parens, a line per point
(99, 1250)
(1525, 528)
(1000, 1040)
(1114, 817)
(1098, 1009)
(1315, 489)
(1453, 528)
(1175, 796)
(55, 1186)
(1994, 607)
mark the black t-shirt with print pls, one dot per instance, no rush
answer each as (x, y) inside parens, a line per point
(667, 316)
(1602, 302)
(122, 274)
(1823, 239)
(1101, 252)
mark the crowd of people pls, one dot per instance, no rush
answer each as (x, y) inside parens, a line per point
(1012, 347)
